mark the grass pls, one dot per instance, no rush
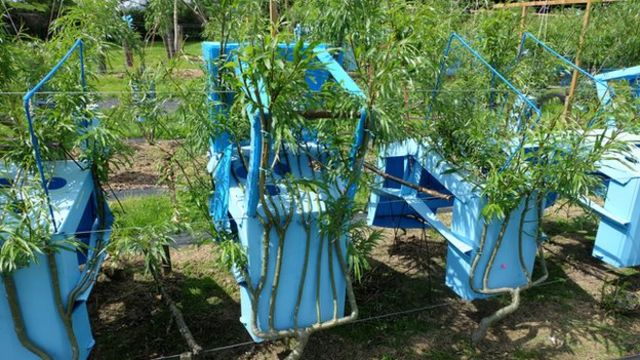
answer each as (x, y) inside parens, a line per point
(155, 54)
(153, 210)
(115, 80)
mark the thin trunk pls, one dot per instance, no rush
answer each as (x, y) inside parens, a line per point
(128, 55)
(273, 17)
(177, 315)
(176, 28)
(102, 63)
(167, 40)
(411, 185)
(303, 339)
(57, 297)
(482, 329)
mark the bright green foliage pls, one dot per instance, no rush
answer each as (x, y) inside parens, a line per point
(24, 227)
(98, 23)
(362, 241)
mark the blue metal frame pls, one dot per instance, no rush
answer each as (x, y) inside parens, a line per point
(415, 161)
(495, 74)
(618, 237)
(522, 48)
(632, 75)
(222, 144)
(76, 206)
(79, 47)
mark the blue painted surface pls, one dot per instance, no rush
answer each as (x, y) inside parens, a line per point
(72, 205)
(618, 236)
(392, 204)
(35, 291)
(78, 47)
(236, 197)
(630, 75)
(465, 231)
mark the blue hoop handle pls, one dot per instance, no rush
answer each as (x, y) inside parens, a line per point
(457, 38)
(79, 46)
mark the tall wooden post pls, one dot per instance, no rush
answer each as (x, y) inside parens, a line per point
(273, 16)
(523, 19)
(574, 78)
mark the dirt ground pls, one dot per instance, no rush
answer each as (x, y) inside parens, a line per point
(144, 168)
(565, 318)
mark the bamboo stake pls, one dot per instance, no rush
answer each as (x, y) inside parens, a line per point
(548, 3)
(176, 28)
(574, 78)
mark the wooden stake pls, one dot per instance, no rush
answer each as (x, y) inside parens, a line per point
(523, 19)
(574, 78)
(549, 3)
(176, 29)
(273, 16)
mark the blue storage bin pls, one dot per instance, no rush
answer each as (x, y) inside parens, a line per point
(618, 236)
(617, 239)
(74, 211)
(235, 208)
(464, 234)
(416, 161)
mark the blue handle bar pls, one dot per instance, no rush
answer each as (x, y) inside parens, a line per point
(457, 38)
(528, 36)
(79, 46)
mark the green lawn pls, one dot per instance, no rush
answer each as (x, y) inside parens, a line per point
(115, 80)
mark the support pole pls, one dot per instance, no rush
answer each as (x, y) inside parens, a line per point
(273, 17)
(176, 29)
(574, 78)
(523, 20)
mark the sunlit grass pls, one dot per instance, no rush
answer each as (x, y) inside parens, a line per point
(115, 79)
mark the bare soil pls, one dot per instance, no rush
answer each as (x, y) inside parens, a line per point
(562, 319)
(143, 169)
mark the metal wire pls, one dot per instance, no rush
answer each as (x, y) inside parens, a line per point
(367, 319)
(204, 92)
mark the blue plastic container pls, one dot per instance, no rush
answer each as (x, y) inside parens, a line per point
(73, 208)
(618, 236)
(464, 233)
(235, 208)
(414, 161)
(630, 75)
(75, 212)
